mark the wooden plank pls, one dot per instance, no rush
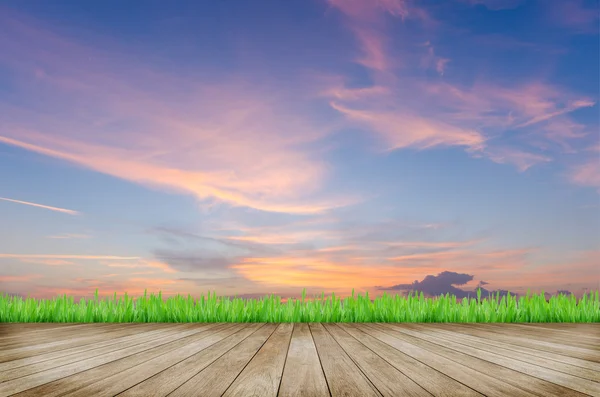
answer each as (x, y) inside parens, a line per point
(117, 383)
(590, 330)
(11, 330)
(565, 325)
(474, 379)
(480, 337)
(385, 377)
(535, 378)
(545, 335)
(436, 383)
(7, 365)
(302, 374)
(543, 359)
(117, 331)
(584, 354)
(54, 377)
(89, 351)
(262, 376)
(25, 349)
(164, 382)
(215, 378)
(54, 335)
(343, 376)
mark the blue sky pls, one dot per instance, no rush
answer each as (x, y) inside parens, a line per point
(266, 147)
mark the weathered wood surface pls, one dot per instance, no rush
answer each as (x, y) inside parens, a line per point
(300, 360)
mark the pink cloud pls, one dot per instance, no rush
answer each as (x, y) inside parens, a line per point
(142, 263)
(587, 173)
(440, 65)
(370, 11)
(402, 130)
(574, 15)
(582, 103)
(431, 61)
(19, 279)
(48, 262)
(221, 142)
(413, 113)
(349, 94)
(373, 46)
(367, 20)
(522, 160)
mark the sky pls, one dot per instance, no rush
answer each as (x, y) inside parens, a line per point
(265, 147)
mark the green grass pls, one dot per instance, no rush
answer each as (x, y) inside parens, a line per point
(386, 308)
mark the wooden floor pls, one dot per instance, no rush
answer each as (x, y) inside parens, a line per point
(300, 360)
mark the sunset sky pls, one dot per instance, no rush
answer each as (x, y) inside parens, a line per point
(254, 147)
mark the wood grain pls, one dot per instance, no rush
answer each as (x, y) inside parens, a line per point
(262, 375)
(300, 360)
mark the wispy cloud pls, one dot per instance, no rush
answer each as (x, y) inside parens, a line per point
(68, 236)
(522, 160)
(19, 279)
(47, 207)
(412, 112)
(587, 173)
(83, 257)
(402, 130)
(219, 142)
(47, 262)
(578, 104)
(144, 264)
(577, 15)
(496, 5)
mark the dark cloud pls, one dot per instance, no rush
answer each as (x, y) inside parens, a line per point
(262, 295)
(174, 235)
(232, 281)
(192, 261)
(564, 292)
(13, 295)
(444, 283)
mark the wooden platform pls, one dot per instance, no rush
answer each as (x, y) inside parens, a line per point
(300, 360)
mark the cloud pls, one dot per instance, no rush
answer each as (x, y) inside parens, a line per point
(578, 104)
(483, 117)
(436, 285)
(68, 236)
(406, 130)
(194, 262)
(444, 283)
(431, 61)
(174, 234)
(366, 19)
(142, 263)
(70, 212)
(579, 16)
(522, 160)
(497, 5)
(311, 272)
(19, 279)
(83, 257)
(234, 142)
(48, 262)
(586, 174)
(564, 292)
